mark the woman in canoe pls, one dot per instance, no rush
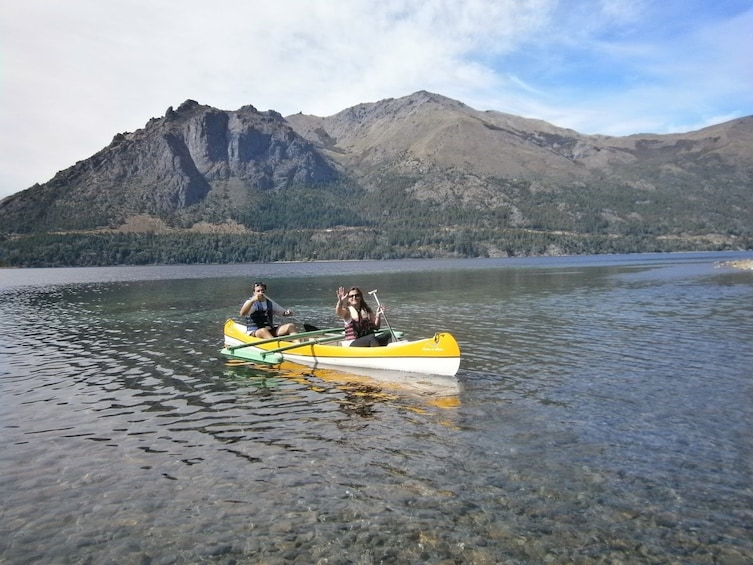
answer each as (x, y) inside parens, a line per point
(361, 322)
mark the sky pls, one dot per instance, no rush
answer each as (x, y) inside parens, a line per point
(74, 73)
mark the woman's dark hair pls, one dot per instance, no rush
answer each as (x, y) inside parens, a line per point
(259, 283)
(364, 304)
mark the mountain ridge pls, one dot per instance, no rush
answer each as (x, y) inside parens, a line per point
(423, 160)
(512, 147)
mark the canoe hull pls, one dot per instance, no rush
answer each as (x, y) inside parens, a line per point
(438, 355)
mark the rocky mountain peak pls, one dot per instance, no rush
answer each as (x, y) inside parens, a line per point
(199, 163)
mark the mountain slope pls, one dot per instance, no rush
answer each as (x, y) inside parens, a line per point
(448, 151)
(195, 163)
(419, 175)
(442, 141)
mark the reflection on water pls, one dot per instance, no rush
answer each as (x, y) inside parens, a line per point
(601, 414)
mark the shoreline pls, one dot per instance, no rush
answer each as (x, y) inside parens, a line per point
(743, 264)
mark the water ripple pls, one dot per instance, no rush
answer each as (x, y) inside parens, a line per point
(604, 415)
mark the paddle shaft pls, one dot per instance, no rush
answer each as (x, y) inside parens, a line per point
(259, 355)
(374, 294)
(287, 337)
(303, 344)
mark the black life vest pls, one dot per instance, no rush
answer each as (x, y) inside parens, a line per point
(259, 316)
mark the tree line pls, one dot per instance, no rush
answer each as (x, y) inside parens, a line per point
(102, 249)
(338, 222)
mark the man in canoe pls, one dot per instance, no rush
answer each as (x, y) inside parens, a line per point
(260, 311)
(361, 322)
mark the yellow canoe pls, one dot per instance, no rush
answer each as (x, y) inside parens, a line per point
(437, 355)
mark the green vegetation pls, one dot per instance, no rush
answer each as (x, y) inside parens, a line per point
(337, 222)
(79, 249)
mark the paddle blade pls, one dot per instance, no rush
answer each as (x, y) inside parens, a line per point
(254, 355)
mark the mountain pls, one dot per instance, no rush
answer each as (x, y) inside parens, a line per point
(406, 174)
(451, 151)
(195, 163)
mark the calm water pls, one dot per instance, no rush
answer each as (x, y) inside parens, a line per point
(603, 413)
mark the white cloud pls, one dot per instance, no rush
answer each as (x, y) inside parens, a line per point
(75, 73)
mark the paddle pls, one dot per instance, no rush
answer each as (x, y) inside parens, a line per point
(260, 355)
(288, 337)
(303, 344)
(374, 294)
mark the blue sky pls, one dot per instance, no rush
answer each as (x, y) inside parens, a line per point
(75, 73)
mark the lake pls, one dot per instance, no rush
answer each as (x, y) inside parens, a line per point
(603, 413)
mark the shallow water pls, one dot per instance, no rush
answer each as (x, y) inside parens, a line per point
(602, 413)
